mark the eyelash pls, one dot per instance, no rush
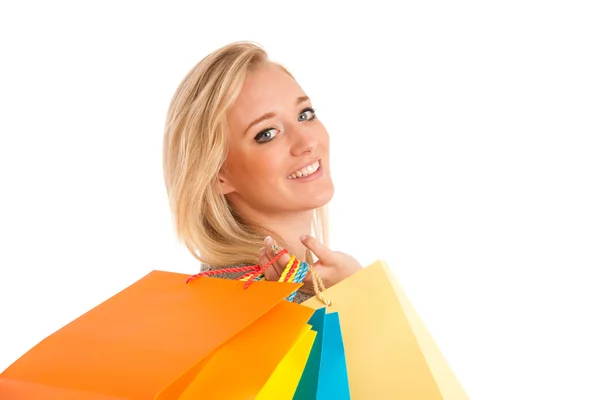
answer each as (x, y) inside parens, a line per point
(307, 109)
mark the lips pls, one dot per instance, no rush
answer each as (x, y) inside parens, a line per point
(306, 170)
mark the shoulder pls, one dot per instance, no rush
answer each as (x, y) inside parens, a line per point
(301, 297)
(226, 271)
(226, 274)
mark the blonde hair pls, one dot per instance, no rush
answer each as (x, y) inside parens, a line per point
(194, 151)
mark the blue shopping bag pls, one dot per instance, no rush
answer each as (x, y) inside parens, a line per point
(325, 375)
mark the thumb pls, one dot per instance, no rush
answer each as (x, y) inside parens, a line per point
(320, 250)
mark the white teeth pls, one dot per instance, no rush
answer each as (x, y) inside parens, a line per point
(311, 169)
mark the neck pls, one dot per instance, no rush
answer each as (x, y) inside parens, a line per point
(290, 227)
(286, 226)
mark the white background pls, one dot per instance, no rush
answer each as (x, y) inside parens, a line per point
(465, 154)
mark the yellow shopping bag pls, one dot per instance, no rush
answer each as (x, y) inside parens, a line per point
(389, 353)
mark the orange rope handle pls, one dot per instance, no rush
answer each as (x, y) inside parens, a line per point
(252, 271)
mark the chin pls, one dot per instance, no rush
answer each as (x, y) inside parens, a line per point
(320, 199)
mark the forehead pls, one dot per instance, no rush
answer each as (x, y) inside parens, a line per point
(266, 89)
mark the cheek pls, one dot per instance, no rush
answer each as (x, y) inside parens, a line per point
(324, 138)
(257, 166)
(271, 164)
(237, 165)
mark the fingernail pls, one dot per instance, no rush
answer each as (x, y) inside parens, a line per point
(275, 248)
(268, 239)
(303, 237)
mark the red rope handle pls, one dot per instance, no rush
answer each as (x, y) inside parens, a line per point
(222, 271)
(262, 269)
(255, 270)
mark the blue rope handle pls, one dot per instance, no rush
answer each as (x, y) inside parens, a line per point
(302, 270)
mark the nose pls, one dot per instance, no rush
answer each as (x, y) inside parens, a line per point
(304, 140)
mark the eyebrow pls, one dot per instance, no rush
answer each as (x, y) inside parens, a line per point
(268, 115)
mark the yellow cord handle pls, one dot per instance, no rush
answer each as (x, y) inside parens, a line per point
(318, 285)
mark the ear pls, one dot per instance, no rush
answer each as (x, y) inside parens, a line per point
(226, 185)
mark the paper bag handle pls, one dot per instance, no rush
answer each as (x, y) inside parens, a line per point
(295, 271)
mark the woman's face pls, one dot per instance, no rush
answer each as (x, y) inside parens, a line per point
(278, 151)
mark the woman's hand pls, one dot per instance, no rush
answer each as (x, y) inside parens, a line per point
(332, 266)
(266, 254)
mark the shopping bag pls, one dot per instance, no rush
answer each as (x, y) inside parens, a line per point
(283, 382)
(154, 339)
(389, 353)
(258, 361)
(325, 375)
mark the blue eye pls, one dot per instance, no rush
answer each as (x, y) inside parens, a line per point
(266, 135)
(308, 114)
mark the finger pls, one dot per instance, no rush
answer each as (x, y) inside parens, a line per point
(271, 247)
(318, 248)
(262, 257)
(273, 273)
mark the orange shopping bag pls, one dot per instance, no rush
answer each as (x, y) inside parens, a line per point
(160, 337)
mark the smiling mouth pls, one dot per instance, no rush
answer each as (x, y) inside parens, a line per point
(306, 171)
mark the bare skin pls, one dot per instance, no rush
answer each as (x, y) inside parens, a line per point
(277, 170)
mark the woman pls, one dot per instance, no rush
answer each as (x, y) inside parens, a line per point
(246, 166)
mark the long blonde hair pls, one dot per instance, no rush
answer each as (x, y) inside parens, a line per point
(195, 149)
